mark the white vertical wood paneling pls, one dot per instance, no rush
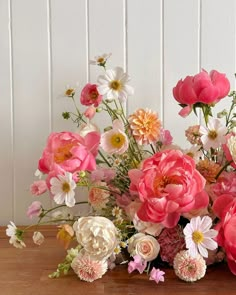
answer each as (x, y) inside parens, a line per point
(144, 40)
(31, 95)
(6, 152)
(218, 40)
(181, 24)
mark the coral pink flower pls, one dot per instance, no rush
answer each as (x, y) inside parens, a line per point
(168, 186)
(157, 275)
(165, 137)
(34, 209)
(99, 197)
(88, 269)
(70, 152)
(38, 187)
(90, 96)
(225, 208)
(225, 184)
(203, 87)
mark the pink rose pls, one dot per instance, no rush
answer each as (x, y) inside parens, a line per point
(225, 208)
(90, 96)
(203, 87)
(38, 187)
(34, 209)
(168, 186)
(70, 151)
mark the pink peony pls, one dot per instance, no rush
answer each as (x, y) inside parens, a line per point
(203, 87)
(168, 185)
(225, 208)
(70, 152)
(38, 187)
(34, 209)
(90, 96)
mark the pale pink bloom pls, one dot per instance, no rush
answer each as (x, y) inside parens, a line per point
(188, 268)
(62, 188)
(103, 173)
(165, 137)
(213, 135)
(157, 275)
(38, 187)
(115, 141)
(114, 85)
(90, 96)
(90, 112)
(87, 268)
(168, 183)
(86, 128)
(99, 195)
(38, 238)
(149, 228)
(70, 151)
(137, 264)
(34, 209)
(199, 236)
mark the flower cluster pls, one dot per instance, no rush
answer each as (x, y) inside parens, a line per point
(150, 203)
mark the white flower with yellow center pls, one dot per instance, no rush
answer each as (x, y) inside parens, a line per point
(62, 187)
(100, 60)
(115, 141)
(199, 236)
(113, 85)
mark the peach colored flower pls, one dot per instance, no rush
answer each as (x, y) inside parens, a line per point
(188, 268)
(87, 268)
(99, 197)
(145, 126)
(193, 135)
(208, 169)
(65, 235)
(38, 187)
(38, 238)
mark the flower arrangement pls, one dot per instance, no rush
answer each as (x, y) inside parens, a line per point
(150, 203)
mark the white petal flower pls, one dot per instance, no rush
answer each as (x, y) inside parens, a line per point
(113, 85)
(15, 235)
(213, 135)
(199, 236)
(231, 143)
(62, 187)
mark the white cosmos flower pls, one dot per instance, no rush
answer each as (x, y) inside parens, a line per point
(113, 85)
(100, 60)
(213, 135)
(15, 235)
(62, 187)
(199, 236)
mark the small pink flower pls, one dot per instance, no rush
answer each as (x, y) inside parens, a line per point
(90, 96)
(157, 275)
(165, 137)
(88, 269)
(105, 174)
(90, 112)
(188, 268)
(99, 197)
(38, 187)
(34, 209)
(137, 264)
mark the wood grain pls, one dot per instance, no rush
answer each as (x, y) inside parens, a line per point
(25, 272)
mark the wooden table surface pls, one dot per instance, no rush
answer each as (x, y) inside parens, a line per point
(25, 272)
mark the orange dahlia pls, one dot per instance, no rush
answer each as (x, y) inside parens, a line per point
(145, 126)
(208, 170)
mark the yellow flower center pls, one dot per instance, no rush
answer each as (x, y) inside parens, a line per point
(93, 95)
(117, 140)
(65, 187)
(197, 236)
(100, 60)
(63, 153)
(115, 85)
(212, 134)
(70, 92)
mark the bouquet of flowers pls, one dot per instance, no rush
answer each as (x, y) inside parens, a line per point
(150, 203)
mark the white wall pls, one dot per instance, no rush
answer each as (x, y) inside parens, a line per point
(46, 44)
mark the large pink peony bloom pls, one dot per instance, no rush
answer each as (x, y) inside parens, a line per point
(225, 208)
(70, 152)
(168, 184)
(203, 87)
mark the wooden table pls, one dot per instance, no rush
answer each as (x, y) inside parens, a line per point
(25, 272)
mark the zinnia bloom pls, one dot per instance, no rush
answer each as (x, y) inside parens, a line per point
(88, 269)
(145, 126)
(199, 236)
(188, 268)
(62, 187)
(113, 85)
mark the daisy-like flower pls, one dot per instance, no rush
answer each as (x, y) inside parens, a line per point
(199, 236)
(62, 187)
(188, 268)
(157, 275)
(70, 91)
(213, 135)
(113, 85)
(100, 60)
(15, 235)
(115, 141)
(116, 212)
(145, 126)
(194, 152)
(88, 269)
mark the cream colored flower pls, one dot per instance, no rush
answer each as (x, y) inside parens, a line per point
(38, 238)
(143, 245)
(97, 235)
(231, 143)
